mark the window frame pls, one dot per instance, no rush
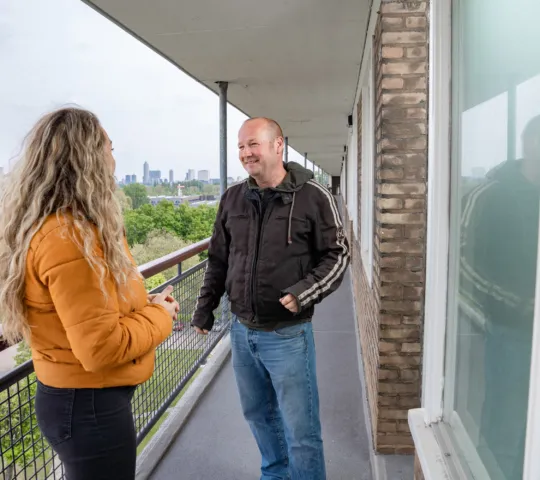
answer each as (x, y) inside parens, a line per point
(367, 166)
(434, 446)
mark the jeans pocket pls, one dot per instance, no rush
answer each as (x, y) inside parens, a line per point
(291, 331)
(54, 412)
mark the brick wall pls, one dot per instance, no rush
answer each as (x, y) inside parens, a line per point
(400, 60)
(390, 311)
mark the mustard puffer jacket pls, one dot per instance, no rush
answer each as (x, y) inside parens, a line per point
(81, 338)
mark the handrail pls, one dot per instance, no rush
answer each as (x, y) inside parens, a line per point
(157, 266)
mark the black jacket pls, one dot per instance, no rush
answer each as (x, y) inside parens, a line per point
(288, 239)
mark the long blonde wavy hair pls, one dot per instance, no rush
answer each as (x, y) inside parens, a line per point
(63, 169)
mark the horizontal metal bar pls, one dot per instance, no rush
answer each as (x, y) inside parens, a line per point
(157, 266)
(179, 278)
(16, 375)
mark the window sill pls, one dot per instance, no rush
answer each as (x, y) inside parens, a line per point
(431, 456)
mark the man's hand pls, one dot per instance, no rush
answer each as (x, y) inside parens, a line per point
(290, 303)
(200, 331)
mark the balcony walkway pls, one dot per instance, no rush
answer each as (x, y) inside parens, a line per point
(216, 442)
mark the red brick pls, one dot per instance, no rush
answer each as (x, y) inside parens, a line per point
(403, 7)
(403, 189)
(403, 68)
(392, 290)
(402, 276)
(393, 83)
(387, 427)
(401, 218)
(388, 374)
(415, 22)
(403, 37)
(416, 52)
(390, 320)
(390, 23)
(400, 333)
(409, 375)
(392, 52)
(392, 414)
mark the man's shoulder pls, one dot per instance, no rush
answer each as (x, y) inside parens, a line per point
(317, 191)
(233, 192)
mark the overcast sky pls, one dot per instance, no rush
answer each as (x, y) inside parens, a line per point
(57, 52)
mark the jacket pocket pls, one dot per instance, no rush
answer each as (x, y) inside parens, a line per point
(54, 412)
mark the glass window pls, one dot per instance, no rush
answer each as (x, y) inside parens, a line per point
(494, 231)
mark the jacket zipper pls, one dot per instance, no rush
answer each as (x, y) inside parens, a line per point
(260, 230)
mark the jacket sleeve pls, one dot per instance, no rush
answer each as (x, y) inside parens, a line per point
(213, 286)
(331, 249)
(99, 335)
(491, 277)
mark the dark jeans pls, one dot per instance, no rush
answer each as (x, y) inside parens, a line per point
(91, 430)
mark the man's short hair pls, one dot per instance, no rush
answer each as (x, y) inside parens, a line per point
(272, 125)
(532, 130)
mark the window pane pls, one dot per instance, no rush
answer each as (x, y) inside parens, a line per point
(494, 239)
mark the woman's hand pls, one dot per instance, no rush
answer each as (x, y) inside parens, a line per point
(166, 301)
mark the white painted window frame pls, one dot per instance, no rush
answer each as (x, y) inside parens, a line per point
(368, 169)
(424, 422)
(431, 455)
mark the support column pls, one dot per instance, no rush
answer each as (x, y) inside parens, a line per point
(286, 150)
(223, 136)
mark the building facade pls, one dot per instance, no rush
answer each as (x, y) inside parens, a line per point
(203, 175)
(441, 183)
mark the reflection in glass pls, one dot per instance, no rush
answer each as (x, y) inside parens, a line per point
(494, 236)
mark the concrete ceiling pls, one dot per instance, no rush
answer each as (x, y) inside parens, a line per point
(296, 61)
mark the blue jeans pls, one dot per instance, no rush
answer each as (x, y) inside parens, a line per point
(277, 383)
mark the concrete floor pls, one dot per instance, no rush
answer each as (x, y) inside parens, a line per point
(216, 442)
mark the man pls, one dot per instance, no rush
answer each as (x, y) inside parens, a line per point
(498, 252)
(278, 248)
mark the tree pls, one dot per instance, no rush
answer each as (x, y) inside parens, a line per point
(125, 202)
(157, 245)
(138, 225)
(137, 193)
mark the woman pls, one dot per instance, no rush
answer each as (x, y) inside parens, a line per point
(69, 286)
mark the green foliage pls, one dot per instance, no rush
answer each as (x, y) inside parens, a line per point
(137, 193)
(158, 244)
(24, 353)
(18, 424)
(125, 202)
(191, 224)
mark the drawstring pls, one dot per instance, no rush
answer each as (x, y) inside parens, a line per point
(289, 236)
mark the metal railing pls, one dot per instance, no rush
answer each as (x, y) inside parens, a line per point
(24, 454)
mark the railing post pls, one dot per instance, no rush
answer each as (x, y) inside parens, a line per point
(179, 269)
(305, 160)
(286, 150)
(223, 86)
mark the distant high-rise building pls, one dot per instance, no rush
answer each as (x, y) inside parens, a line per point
(171, 177)
(203, 176)
(190, 175)
(155, 177)
(133, 178)
(146, 175)
(128, 179)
